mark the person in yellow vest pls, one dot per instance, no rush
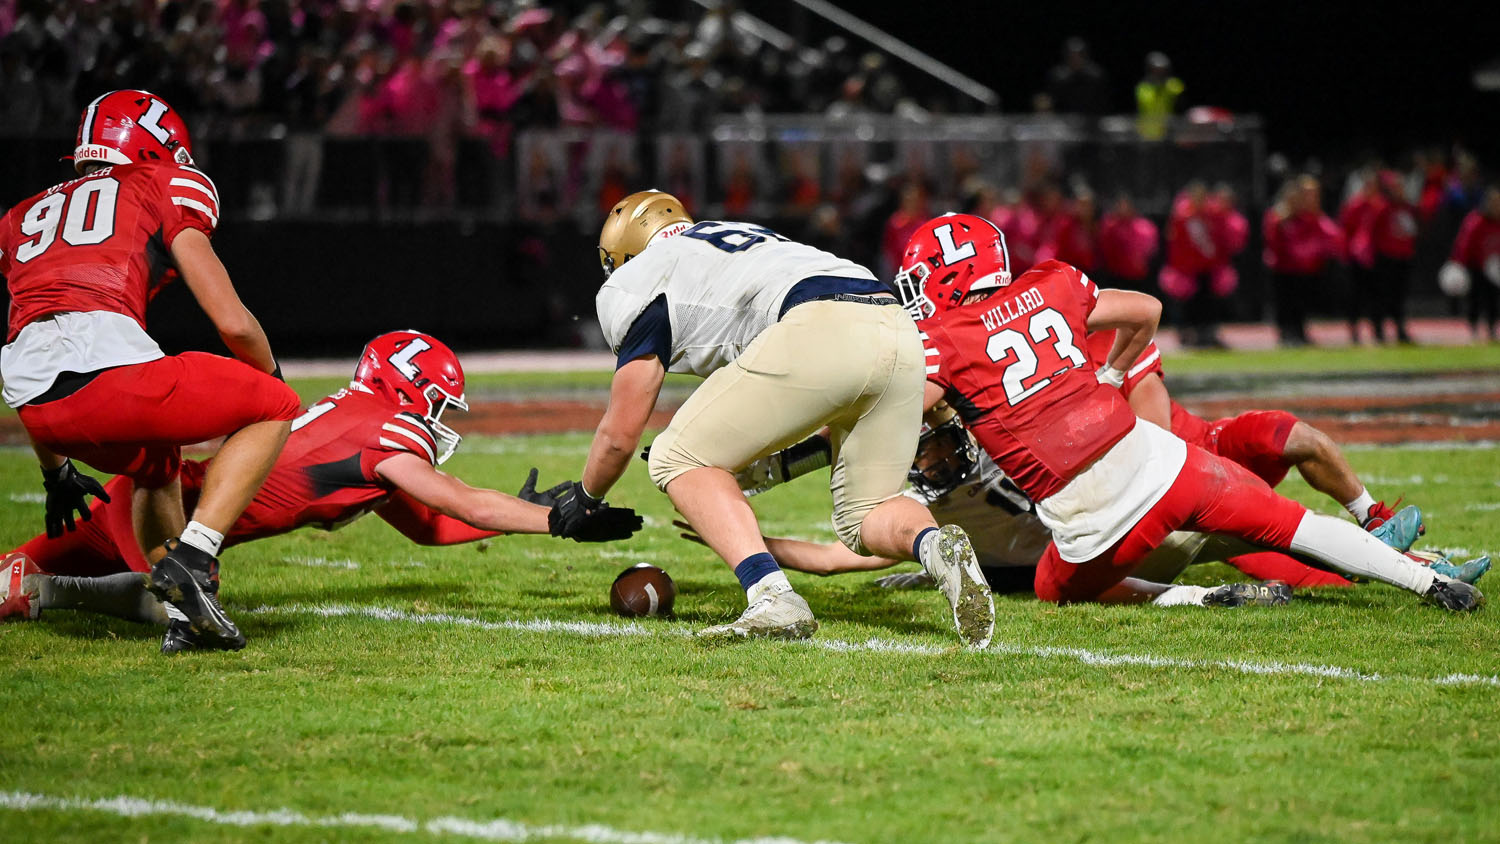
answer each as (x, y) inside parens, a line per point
(1156, 96)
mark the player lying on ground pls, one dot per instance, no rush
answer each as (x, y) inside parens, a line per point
(962, 486)
(788, 339)
(82, 259)
(373, 446)
(1269, 443)
(1109, 487)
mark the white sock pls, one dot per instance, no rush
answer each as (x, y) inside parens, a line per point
(204, 539)
(1351, 550)
(1181, 596)
(1359, 508)
(775, 581)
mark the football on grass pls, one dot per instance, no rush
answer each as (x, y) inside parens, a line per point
(642, 590)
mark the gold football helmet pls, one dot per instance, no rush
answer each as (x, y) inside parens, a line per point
(633, 222)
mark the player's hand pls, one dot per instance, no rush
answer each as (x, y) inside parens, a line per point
(578, 516)
(68, 490)
(689, 532)
(608, 524)
(546, 497)
(1109, 375)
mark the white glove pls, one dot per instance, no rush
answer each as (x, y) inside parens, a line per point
(1109, 375)
(1492, 269)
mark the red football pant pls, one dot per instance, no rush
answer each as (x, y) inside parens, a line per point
(105, 544)
(1273, 565)
(133, 420)
(1211, 495)
(1256, 440)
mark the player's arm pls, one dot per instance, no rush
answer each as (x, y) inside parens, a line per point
(484, 509)
(205, 275)
(817, 558)
(1135, 316)
(1150, 401)
(426, 526)
(932, 393)
(822, 559)
(632, 397)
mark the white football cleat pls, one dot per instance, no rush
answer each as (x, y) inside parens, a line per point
(778, 614)
(947, 556)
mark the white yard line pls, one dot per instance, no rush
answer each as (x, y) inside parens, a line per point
(493, 829)
(1087, 657)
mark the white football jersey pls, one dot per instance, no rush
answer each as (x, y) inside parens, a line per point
(724, 284)
(1001, 537)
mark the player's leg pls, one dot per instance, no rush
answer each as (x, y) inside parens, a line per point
(776, 393)
(1269, 442)
(1229, 499)
(1325, 468)
(874, 442)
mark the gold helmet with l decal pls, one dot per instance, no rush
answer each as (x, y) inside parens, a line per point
(633, 222)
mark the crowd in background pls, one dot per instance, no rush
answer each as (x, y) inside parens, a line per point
(445, 70)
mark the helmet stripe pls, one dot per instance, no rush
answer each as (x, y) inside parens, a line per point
(1004, 250)
(88, 119)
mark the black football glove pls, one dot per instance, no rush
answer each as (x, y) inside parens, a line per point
(582, 518)
(608, 524)
(67, 490)
(546, 497)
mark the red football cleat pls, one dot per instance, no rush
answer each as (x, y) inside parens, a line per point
(15, 601)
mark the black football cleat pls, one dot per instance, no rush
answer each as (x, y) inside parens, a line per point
(1272, 593)
(180, 637)
(1454, 595)
(188, 579)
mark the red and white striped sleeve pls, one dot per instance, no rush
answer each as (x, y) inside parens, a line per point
(932, 356)
(406, 432)
(1147, 363)
(192, 201)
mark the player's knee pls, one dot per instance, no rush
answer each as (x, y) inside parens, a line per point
(282, 402)
(849, 525)
(157, 469)
(1306, 443)
(668, 462)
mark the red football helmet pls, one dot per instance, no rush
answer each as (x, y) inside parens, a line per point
(418, 373)
(123, 127)
(948, 258)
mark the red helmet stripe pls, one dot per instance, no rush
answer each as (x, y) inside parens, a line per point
(1004, 250)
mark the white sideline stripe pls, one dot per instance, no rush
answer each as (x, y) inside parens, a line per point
(495, 829)
(1087, 657)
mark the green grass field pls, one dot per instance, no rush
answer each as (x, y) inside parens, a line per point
(487, 692)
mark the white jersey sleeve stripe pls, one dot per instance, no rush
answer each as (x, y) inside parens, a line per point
(403, 432)
(204, 176)
(1145, 362)
(932, 370)
(198, 186)
(197, 206)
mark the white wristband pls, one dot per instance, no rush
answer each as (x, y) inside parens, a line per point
(1109, 375)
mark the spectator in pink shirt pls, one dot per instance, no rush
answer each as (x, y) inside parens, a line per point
(1301, 245)
(1127, 244)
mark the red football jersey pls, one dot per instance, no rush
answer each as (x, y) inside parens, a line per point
(1014, 367)
(101, 243)
(325, 476)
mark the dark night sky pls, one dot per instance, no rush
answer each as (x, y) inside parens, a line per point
(1330, 78)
